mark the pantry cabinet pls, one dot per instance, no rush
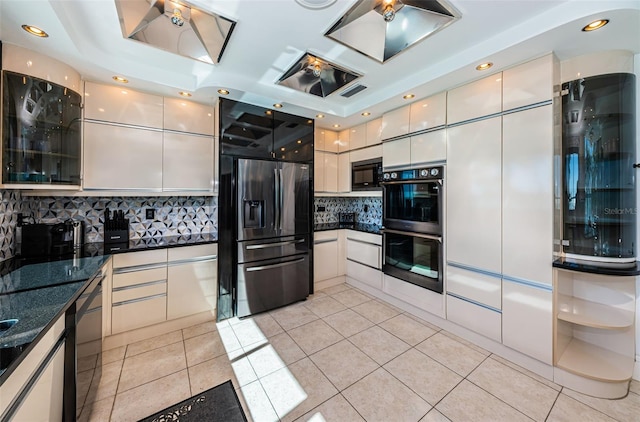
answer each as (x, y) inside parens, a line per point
(429, 148)
(396, 153)
(396, 122)
(428, 113)
(476, 99)
(529, 83)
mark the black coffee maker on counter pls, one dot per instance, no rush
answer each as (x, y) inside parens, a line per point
(48, 239)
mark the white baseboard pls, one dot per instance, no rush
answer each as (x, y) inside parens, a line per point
(323, 284)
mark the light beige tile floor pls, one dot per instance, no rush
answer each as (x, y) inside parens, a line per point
(339, 356)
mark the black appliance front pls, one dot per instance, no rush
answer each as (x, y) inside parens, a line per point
(412, 200)
(413, 257)
(366, 175)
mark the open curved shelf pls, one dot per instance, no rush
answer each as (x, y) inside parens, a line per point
(592, 314)
(590, 361)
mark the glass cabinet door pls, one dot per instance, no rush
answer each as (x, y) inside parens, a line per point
(41, 132)
(246, 130)
(598, 147)
(293, 137)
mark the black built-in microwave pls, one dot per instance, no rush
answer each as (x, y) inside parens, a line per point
(366, 175)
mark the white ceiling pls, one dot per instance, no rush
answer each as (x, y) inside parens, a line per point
(270, 35)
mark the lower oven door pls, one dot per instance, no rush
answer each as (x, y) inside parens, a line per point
(413, 257)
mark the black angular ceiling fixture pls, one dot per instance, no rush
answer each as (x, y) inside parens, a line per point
(177, 27)
(380, 29)
(317, 76)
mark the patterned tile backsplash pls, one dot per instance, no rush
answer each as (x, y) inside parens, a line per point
(9, 209)
(173, 216)
(336, 205)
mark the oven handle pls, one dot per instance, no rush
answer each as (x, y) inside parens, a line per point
(412, 181)
(413, 234)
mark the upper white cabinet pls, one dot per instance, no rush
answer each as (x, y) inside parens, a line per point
(396, 153)
(331, 142)
(358, 136)
(344, 140)
(117, 157)
(529, 83)
(318, 139)
(429, 147)
(474, 188)
(428, 113)
(318, 171)
(187, 162)
(366, 153)
(396, 122)
(477, 99)
(344, 173)
(120, 105)
(187, 116)
(374, 131)
(330, 172)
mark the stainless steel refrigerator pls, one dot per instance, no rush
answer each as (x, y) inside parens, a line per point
(273, 234)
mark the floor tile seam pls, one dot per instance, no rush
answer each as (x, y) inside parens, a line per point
(206, 332)
(371, 357)
(498, 398)
(588, 405)
(552, 406)
(184, 350)
(118, 392)
(411, 345)
(327, 315)
(329, 379)
(350, 335)
(436, 361)
(389, 332)
(369, 319)
(268, 398)
(155, 348)
(85, 403)
(319, 319)
(523, 371)
(433, 406)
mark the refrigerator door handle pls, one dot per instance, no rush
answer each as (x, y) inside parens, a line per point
(273, 245)
(281, 205)
(270, 266)
(276, 217)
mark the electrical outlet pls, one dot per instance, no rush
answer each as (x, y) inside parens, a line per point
(321, 208)
(150, 213)
(366, 208)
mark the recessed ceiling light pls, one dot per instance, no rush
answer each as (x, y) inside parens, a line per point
(299, 141)
(184, 94)
(408, 96)
(223, 92)
(484, 66)
(121, 79)
(34, 30)
(315, 4)
(336, 125)
(319, 116)
(366, 113)
(277, 105)
(595, 25)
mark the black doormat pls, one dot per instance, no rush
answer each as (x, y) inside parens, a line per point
(219, 403)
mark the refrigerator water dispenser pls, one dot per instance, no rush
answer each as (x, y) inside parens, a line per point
(253, 215)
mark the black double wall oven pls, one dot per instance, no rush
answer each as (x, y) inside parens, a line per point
(412, 220)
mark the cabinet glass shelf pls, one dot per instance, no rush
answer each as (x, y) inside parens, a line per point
(590, 361)
(592, 314)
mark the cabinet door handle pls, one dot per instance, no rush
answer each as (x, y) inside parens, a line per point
(140, 299)
(273, 245)
(143, 267)
(321, 241)
(136, 286)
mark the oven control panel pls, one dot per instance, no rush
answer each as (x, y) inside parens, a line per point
(432, 173)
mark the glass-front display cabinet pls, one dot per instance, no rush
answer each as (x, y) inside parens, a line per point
(598, 156)
(41, 132)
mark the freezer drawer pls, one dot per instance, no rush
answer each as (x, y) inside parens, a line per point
(272, 283)
(256, 250)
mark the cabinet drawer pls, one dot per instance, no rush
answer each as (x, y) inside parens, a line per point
(376, 239)
(191, 252)
(327, 235)
(475, 317)
(141, 313)
(154, 288)
(139, 277)
(133, 259)
(364, 253)
(365, 274)
(478, 287)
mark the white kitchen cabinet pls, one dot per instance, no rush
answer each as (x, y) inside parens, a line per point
(364, 248)
(366, 153)
(396, 153)
(118, 104)
(188, 116)
(358, 137)
(325, 255)
(527, 201)
(482, 288)
(318, 139)
(330, 172)
(318, 171)
(344, 140)
(396, 122)
(474, 190)
(476, 99)
(428, 148)
(192, 277)
(475, 318)
(344, 172)
(331, 142)
(374, 131)
(187, 162)
(529, 83)
(527, 319)
(428, 113)
(117, 157)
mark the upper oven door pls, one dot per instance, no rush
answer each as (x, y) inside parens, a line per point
(414, 205)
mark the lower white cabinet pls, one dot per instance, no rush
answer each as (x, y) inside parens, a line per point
(364, 248)
(117, 157)
(326, 250)
(475, 317)
(187, 162)
(192, 280)
(527, 319)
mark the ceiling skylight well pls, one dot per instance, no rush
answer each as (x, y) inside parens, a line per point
(381, 29)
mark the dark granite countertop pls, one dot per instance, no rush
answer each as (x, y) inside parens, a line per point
(632, 270)
(361, 227)
(38, 293)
